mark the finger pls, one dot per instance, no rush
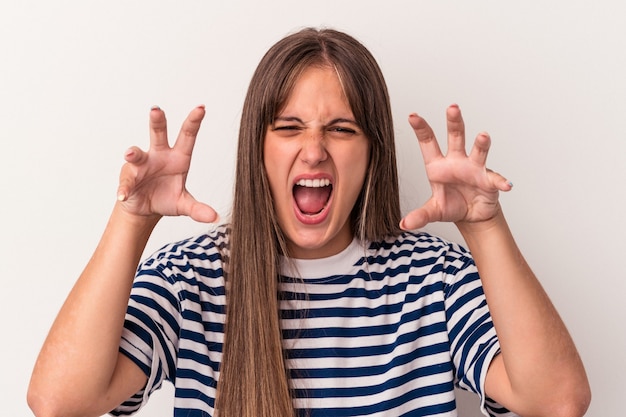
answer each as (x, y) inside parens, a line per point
(426, 138)
(480, 149)
(420, 217)
(198, 211)
(158, 129)
(499, 181)
(189, 130)
(127, 182)
(135, 155)
(203, 213)
(456, 130)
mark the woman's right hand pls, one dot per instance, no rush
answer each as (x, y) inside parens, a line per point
(153, 183)
(80, 370)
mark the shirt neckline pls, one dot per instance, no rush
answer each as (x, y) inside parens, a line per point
(338, 264)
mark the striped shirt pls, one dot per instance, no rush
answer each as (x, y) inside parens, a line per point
(383, 329)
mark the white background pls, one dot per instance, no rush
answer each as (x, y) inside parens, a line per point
(546, 79)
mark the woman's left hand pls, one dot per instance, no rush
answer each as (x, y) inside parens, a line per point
(463, 189)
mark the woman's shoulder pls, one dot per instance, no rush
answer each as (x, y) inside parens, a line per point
(416, 241)
(420, 253)
(210, 246)
(418, 249)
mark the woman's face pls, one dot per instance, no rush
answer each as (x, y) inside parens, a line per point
(316, 158)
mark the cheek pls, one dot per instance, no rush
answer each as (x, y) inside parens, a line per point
(354, 168)
(269, 157)
(275, 167)
(358, 161)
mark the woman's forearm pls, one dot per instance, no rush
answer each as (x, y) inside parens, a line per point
(76, 364)
(539, 367)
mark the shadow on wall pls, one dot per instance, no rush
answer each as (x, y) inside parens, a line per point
(468, 404)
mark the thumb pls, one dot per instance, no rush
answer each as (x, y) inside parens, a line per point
(420, 217)
(203, 213)
(198, 211)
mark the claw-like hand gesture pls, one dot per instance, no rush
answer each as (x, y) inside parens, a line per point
(464, 190)
(153, 183)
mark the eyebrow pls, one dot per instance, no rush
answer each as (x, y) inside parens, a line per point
(298, 120)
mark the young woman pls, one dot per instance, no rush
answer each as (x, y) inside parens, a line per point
(311, 300)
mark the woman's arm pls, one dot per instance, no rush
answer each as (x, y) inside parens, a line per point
(539, 372)
(79, 371)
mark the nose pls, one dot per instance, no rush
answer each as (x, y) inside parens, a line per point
(313, 149)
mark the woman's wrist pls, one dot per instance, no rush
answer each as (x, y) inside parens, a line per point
(483, 226)
(134, 224)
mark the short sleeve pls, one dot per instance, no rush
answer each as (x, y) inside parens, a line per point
(151, 329)
(473, 339)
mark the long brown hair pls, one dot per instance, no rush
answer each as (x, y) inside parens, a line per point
(253, 379)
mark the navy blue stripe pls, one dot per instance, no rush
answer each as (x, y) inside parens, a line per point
(359, 391)
(359, 292)
(368, 312)
(461, 283)
(470, 315)
(195, 394)
(470, 343)
(347, 352)
(484, 349)
(195, 375)
(185, 412)
(201, 358)
(393, 402)
(144, 368)
(366, 371)
(479, 326)
(210, 327)
(166, 319)
(391, 328)
(372, 274)
(158, 333)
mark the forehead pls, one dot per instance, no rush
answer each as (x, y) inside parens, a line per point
(317, 89)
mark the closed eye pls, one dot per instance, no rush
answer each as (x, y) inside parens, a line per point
(341, 129)
(286, 128)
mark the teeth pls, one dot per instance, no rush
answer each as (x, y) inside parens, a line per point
(314, 183)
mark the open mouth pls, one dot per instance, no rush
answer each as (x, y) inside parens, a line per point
(312, 195)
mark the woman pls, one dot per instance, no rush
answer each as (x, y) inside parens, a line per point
(311, 300)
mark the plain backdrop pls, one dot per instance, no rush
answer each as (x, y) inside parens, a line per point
(547, 80)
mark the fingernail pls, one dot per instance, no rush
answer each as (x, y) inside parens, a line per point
(201, 106)
(129, 153)
(510, 183)
(155, 108)
(121, 197)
